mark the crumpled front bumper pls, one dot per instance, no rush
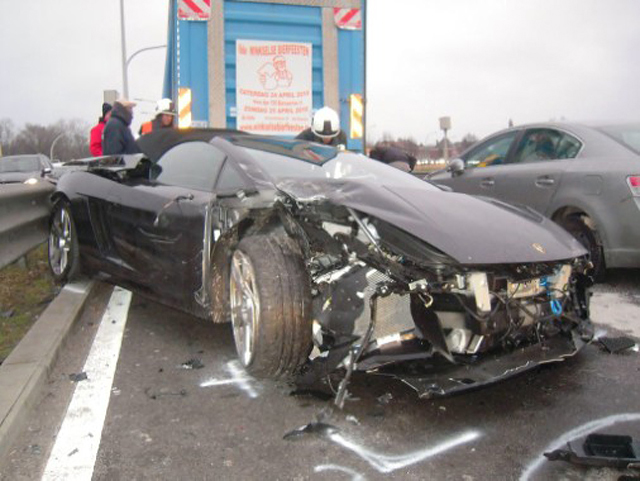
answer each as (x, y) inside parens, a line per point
(439, 379)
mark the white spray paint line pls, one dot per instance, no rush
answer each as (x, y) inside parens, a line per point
(239, 377)
(580, 431)
(74, 453)
(355, 476)
(385, 463)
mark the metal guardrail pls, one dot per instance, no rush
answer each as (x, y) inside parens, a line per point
(24, 214)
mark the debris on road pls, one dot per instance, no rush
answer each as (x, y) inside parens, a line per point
(35, 449)
(319, 426)
(602, 450)
(385, 399)
(352, 419)
(311, 428)
(81, 376)
(617, 344)
(194, 363)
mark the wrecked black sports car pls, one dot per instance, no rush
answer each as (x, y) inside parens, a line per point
(325, 260)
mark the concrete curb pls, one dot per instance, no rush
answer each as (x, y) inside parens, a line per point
(25, 371)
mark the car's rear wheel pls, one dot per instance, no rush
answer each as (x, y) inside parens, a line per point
(63, 249)
(270, 301)
(589, 238)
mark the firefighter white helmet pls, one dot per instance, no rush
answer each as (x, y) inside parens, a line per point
(165, 106)
(326, 123)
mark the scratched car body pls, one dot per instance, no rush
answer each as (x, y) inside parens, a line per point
(327, 261)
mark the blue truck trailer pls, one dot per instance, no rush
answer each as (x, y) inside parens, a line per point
(265, 66)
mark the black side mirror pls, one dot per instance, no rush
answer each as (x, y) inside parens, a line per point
(456, 167)
(45, 171)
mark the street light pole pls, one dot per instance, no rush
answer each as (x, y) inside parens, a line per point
(125, 82)
(53, 144)
(126, 65)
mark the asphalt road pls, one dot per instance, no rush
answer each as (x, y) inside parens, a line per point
(167, 422)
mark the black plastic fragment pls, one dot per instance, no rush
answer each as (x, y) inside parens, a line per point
(311, 428)
(602, 450)
(194, 363)
(617, 344)
(609, 446)
(81, 376)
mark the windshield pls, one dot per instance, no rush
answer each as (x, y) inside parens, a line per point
(19, 164)
(628, 135)
(295, 149)
(346, 165)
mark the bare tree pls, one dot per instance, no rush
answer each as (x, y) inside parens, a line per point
(34, 139)
(7, 135)
(74, 144)
(467, 141)
(72, 139)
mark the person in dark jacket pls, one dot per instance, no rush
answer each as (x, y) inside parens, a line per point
(394, 157)
(95, 137)
(325, 129)
(117, 138)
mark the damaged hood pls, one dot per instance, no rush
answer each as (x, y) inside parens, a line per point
(470, 230)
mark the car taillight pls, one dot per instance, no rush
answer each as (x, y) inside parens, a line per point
(634, 184)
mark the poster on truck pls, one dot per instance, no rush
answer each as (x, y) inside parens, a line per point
(273, 87)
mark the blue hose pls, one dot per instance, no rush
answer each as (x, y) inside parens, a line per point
(556, 306)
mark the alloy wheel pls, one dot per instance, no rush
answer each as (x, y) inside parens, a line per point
(245, 305)
(60, 240)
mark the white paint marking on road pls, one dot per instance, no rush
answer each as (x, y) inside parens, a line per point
(576, 433)
(355, 476)
(74, 453)
(238, 377)
(385, 463)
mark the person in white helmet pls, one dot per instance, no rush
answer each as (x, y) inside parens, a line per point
(163, 119)
(325, 129)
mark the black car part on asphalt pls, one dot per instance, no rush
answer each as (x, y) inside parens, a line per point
(325, 260)
(604, 450)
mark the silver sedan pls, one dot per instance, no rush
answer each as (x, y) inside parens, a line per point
(584, 177)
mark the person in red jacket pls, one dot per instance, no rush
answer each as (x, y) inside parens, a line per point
(95, 139)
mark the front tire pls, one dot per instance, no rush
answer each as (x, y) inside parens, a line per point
(63, 249)
(589, 238)
(270, 304)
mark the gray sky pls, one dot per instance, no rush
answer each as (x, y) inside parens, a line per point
(479, 61)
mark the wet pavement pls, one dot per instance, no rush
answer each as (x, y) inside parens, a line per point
(170, 417)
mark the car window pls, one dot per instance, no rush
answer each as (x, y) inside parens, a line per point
(492, 152)
(194, 165)
(20, 164)
(546, 144)
(230, 179)
(296, 149)
(628, 135)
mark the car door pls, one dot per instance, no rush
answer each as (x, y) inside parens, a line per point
(534, 173)
(157, 224)
(484, 166)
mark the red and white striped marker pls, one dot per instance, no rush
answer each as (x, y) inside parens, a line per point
(194, 9)
(348, 18)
